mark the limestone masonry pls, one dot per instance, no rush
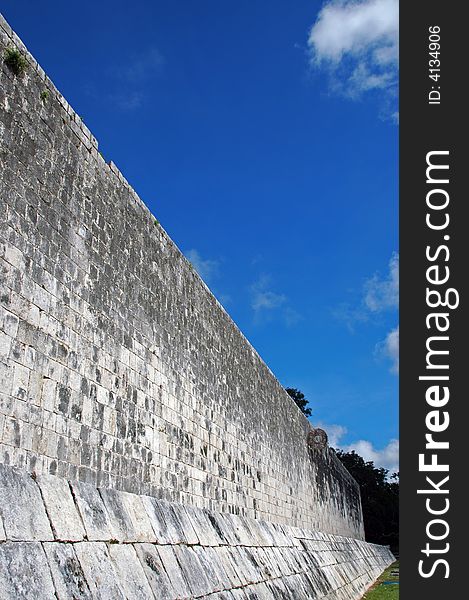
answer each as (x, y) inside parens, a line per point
(124, 383)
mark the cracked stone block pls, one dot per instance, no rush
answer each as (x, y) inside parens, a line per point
(242, 565)
(238, 525)
(218, 565)
(67, 573)
(155, 572)
(92, 511)
(225, 558)
(222, 527)
(24, 573)
(18, 494)
(264, 531)
(261, 591)
(173, 569)
(142, 528)
(295, 586)
(184, 524)
(193, 571)
(238, 594)
(60, 506)
(99, 572)
(278, 590)
(204, 529)
(207, 559)
(166, 525)
(160, 526)
(128, 517)
(119, 518)
(132, 578)
(264, 563)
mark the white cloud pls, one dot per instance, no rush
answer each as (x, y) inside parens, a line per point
(268, 304)
(389, 348)
(382, 294)
(263, 298)
(141, 67)
(129, 101)
(378, 295)
(387, 457)
(357, 41)
(206, 268)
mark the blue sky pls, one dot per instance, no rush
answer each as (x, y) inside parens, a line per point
(263, 136)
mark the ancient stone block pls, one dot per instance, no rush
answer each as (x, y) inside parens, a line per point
(61, 509)
(129, 570)
(24, 572)
(18, 493)
(67, 573)
(99, 572)
(92, 511)
(155, 572)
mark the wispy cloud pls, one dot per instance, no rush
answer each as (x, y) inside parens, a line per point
(127, 82)
(127, 101)
(263, 298)
(206, 268)
(379, 294)
(383, 294)
(387, 457)
(138, 68)
(389, 348)
(267, 303)
(356, 41)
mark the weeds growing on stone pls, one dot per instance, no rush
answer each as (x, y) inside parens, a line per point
(15, 61)
(44, 95)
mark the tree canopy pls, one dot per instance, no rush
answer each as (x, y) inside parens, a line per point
(380, 498)
(300, 400)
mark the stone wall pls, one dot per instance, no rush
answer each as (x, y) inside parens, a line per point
(118, 367)
(69, 540)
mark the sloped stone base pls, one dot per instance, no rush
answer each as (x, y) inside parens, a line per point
(71, 541)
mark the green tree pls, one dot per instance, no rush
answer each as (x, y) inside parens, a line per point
(380, 499)
(300, 400)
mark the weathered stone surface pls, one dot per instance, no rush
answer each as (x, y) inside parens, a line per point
(142, 529)
(18, 493)
(212, 562)
(322, 566)
(99, 572)
(238, 594)
(122, 528)
(207, 534)
(118, 366)
(92, 511)
(131, 575)
(184, 524)
(60, 506)
(24, 572)
(207, 559)
(193, 571)
(2, 530)
(155, 572)
(226, 559)
(170, 523)
(175, 574)
(67, 573)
